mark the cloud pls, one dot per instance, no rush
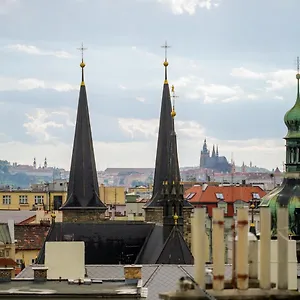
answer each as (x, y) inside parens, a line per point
(179, 7)
(139, 128)
(7, 5)
(195, 88)
(245, 73)
(275, 80)
(33, 50)
(40, 122)
(11, 84)
(140, 99)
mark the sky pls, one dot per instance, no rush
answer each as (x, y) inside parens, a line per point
(232, 62)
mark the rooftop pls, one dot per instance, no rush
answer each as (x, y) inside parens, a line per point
(64, 289)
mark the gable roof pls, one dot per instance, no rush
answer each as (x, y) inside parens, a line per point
(30, 236)
(110, 242)
(175, 250)
(207, 194)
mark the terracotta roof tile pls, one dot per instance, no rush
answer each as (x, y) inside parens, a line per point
(7, 262)
(30, 236)
(197, 194)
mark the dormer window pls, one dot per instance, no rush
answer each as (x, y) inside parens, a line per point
(255, 196)
(220, 196)
(190, 196)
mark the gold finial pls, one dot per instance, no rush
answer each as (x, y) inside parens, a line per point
(175, 217)
(82, 64)
(166, 46)
(173, 112)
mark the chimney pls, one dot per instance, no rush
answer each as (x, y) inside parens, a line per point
(40, 273)
(6, 274)
(11, 228)
(132, 273)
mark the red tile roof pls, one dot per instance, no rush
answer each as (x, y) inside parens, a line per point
(7, 262)
(197, 194)
(30, 236)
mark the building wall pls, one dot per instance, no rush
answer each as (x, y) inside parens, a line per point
(27, 256)
(135, 208)
(25, 199)
(112, 194)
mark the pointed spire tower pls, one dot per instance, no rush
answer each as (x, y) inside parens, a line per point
(83, 201)
(167, 198)
(165, 128)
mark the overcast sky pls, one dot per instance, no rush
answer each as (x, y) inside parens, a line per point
(233, 64)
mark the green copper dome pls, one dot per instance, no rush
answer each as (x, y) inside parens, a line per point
(292, 117)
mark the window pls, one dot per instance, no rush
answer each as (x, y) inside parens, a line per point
(223, 205)
(239, 204)
(255, 196)
(220, 196)
(2, 253)
(38, 199)
(6, 199)
(7, 253)
(23, 199)
(190, 196)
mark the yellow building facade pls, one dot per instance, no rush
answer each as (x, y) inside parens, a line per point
(52, 200)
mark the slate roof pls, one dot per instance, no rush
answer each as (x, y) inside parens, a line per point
(122, 242)
(83, 189)
(16, 215)
(105, 243)
(30, 236)
(156, 278)
(175, 250)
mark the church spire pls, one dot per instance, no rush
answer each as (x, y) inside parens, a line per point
(165, 128)
(172, 191)
(83, 189)
(213, 151)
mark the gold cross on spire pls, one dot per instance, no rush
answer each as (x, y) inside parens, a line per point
(166, 46)
(82, 64)
(82, 49)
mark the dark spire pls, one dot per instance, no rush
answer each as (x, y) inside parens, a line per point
(83, 189)
(175, 250)
(172, 191)
(213, 152)
(217, 151)
(165, 128)
(204, 149)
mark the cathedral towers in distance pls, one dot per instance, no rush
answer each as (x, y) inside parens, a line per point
(213, 161)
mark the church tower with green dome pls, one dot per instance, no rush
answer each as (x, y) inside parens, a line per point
(288, 193)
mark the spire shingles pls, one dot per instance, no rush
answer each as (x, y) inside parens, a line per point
(83, 188)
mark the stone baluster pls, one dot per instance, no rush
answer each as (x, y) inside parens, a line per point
(282, 244)
(218, 249)
(242, 267)
(198, 239)
(265, 248)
